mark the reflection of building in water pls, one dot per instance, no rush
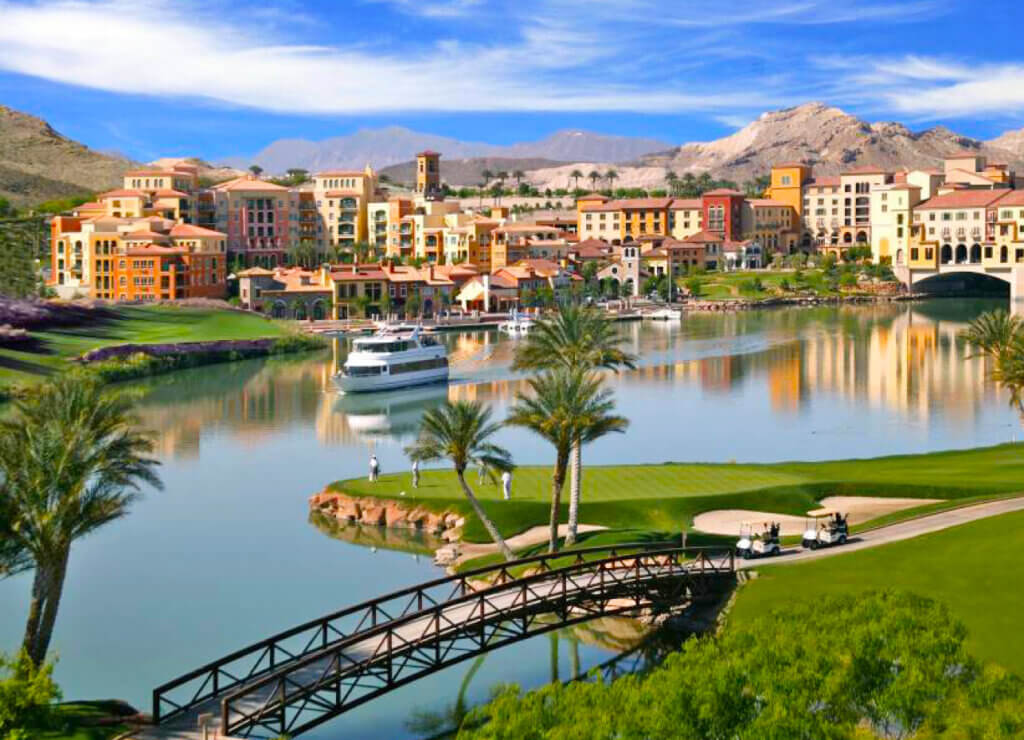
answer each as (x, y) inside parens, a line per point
(251, 399)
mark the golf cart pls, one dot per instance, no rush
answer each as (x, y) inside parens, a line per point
(825, 530)
(758, 540)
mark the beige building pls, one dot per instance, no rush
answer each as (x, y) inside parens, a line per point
(686, 216)
(892, 210)
(342, 200)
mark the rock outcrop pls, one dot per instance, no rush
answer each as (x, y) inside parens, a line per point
(389, 513)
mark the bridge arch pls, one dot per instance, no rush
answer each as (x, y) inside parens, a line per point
(303, 677)
(946, 254)
(969, 281)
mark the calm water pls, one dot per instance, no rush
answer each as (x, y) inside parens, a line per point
(225, 555)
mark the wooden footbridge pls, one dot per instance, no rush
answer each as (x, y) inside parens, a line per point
(295, 680)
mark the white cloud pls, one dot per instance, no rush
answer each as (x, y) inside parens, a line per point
(534, 56)
(927, 88)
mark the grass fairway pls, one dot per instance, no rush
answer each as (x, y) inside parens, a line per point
(87, 720)
(975, 569)
(665, 498)
(50, 351)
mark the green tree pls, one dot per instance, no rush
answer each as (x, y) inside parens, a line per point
(566, 407)
(576, 175)
(594, 176)
(881, 664)
(256, 170)
(413, 304)
(362, 304)
(72, 459)
(460, 431)
(26, 694)
(695, 285)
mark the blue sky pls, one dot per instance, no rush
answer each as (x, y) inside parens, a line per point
(219, 77)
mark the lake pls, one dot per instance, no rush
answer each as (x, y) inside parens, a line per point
(225, 555)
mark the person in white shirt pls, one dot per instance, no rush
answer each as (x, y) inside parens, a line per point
(506, 485)
(415, 473)
(374, 468)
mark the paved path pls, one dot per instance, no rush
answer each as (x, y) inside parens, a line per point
(896, 532)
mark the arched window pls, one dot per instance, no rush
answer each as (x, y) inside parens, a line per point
(947, 254)
(975, 254)
(1004, 254)
(961, 254)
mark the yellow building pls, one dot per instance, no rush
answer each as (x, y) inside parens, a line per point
(686, 217)
(787, 186)
(892, 210)
(428, 174)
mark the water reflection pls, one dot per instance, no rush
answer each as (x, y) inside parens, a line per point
(903, 359)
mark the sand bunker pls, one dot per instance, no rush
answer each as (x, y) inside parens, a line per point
(862, 508)
(858, 508)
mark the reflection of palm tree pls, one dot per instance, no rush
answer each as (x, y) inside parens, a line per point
(553, 655)
(449, 719)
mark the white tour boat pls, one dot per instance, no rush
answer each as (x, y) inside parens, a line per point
(517, 325)
(392, 360)
(666, 314)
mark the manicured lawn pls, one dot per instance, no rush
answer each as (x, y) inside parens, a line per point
(665, 498)
(726, 285)
(975, 569)
(51, 350)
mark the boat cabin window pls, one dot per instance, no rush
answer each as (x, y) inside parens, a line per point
(359, 371)
(411, 367)
(396, 346)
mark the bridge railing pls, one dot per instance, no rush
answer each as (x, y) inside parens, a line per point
(302, 685)
(266, 656)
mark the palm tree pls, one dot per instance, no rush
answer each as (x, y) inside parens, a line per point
(594, 177)
(487, 175)
(673, 181)
(518, 175)
(999, 337)
(574, 337)
(565, 407)
(459, 431)
(611, 176)
(72, 459)
(576, 175)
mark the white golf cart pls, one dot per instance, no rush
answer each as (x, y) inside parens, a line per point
(825, 529)
(758, 540)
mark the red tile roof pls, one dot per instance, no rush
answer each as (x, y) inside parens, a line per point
(963, 199)
(702, 237)
(593, 196)
(1012, 198)
(185, 230)
(428, 153)
(723, 191)
(826, 181)
(680, 204)
(122, 194)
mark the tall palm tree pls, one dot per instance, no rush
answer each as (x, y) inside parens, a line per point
(459, 431)
(256, 170)
(518, 175)
(565, 407)
(72, 459)
(576, 175)
(611, 176)
(574, 337)
(594, 176)
(487, 175)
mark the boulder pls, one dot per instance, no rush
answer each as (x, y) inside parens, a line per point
(372, 515)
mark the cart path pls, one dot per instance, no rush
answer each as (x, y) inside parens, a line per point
(896, 532)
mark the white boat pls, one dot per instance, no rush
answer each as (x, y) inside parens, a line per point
(517, 325)
(666, 314)
(388, 360)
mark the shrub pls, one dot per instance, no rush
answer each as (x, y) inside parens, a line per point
(26, 696)
(695, 285)
(889, 662)
(848, 280)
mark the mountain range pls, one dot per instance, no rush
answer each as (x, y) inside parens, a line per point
(37, 163)
(393, 145)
